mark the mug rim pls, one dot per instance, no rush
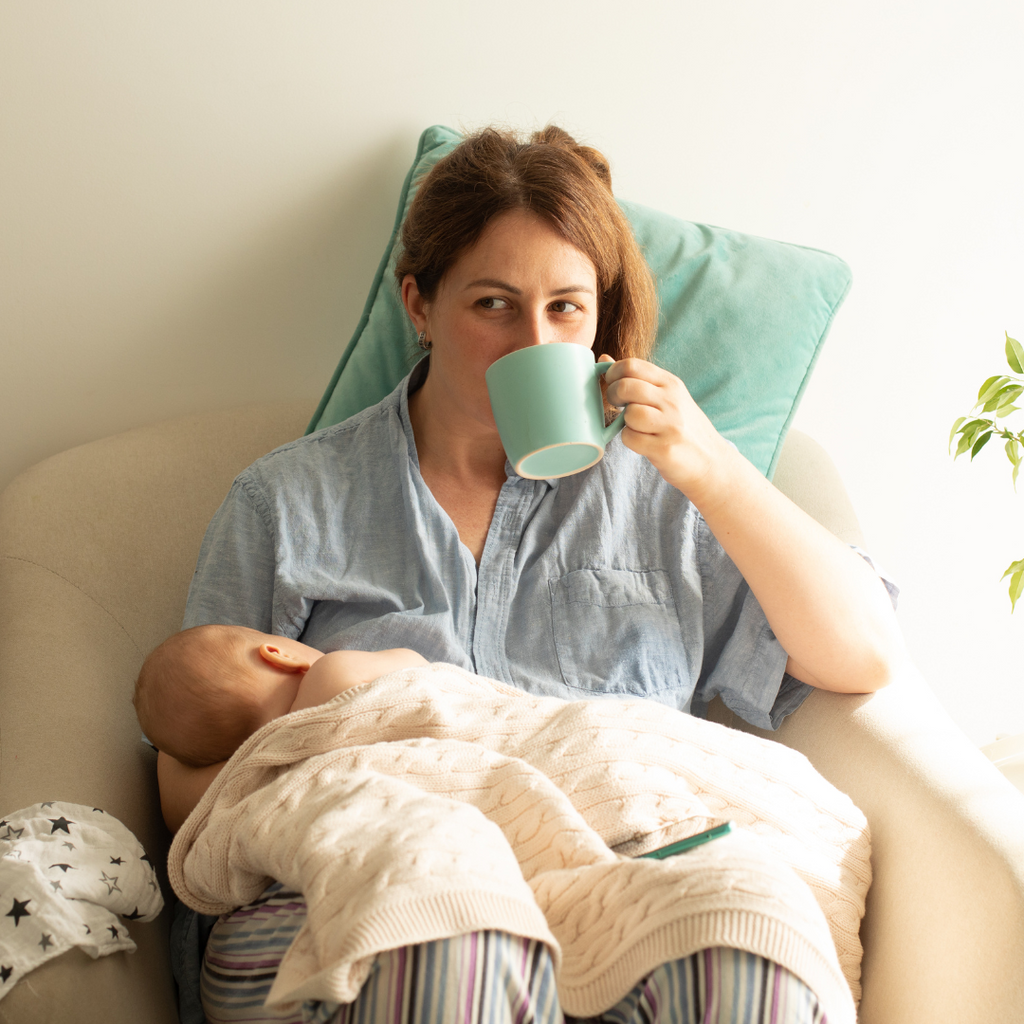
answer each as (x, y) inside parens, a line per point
(519, 352)
(559, 444)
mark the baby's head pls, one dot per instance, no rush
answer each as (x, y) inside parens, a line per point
(205, 690)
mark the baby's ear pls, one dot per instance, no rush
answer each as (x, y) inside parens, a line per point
(276, 655)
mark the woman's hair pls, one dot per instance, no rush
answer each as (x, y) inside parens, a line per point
(191, 698)
(493, 172)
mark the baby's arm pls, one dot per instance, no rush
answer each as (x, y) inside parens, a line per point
(341, 670)
(182, 787)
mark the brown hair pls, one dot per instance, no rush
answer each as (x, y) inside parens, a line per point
(185, 697)
(569, 185)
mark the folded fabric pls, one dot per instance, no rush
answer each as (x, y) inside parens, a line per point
(67, 872)
(433, 802)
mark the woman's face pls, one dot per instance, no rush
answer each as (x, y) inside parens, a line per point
(521, 284)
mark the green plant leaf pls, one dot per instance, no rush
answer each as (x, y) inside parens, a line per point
(1016, 573)
(966, 441)
(956, 427)
(974, 435)
(980, 443)
(973, 426)
(1004, 396)
(990, 387)
(1016, 587)
(1014, 354)
(963, 445)
(1012, 448)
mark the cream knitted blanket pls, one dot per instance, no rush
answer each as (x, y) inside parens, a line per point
(433, 802)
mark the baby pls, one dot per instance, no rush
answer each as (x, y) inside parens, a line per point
(205, 690)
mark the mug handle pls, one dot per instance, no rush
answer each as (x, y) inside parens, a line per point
(620, 421)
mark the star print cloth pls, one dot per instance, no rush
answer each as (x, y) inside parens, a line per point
(68, 874)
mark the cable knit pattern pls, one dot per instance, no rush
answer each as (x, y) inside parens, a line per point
(433, 802)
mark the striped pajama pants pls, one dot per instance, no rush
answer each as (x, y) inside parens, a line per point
(484, 978)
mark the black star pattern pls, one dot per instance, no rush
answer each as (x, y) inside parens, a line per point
(46, 941)
(2, 823)
(88, 930)
(18, 911)
(49, 803)
(110, 881)
(133, 916)
(99, 810)
(57, 885)
(13, 833)
(60, 823)
(116, 860)
(113, 931)
(70, 846)
(144, 857)
(64, 867)
(5, 973)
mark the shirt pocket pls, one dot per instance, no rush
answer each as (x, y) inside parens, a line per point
(617, 631)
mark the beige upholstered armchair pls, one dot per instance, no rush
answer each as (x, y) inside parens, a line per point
(97, 546)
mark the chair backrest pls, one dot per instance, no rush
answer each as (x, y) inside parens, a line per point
(97, 547)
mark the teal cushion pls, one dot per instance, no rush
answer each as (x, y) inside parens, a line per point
(742, 320)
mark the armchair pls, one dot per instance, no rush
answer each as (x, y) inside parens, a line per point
(97, 546)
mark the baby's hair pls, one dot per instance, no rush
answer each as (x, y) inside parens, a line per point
(182, 698)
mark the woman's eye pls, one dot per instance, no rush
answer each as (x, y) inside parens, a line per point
(564, 306)
(493, 302)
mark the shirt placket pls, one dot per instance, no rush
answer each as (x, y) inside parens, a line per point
(496, 577)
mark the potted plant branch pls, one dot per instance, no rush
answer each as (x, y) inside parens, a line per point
(996, 398)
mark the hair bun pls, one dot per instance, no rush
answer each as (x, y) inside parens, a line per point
(552, 135)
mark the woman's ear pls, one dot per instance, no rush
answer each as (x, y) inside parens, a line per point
(415, 304)
(275, 655)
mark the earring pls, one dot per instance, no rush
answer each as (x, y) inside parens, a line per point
(421, 340)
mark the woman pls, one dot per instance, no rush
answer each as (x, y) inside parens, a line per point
(672, 569)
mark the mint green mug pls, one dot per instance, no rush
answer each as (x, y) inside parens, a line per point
(548, 408)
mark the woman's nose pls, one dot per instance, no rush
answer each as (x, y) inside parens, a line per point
(536, 330)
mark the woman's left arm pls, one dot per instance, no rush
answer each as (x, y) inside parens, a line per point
(825, 604)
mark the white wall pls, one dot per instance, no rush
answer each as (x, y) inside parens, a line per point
(193, 197)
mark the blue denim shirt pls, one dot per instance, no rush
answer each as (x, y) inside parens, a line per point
(606, 583)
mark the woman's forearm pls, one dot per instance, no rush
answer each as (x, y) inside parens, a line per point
(182, 787)
(825, 604)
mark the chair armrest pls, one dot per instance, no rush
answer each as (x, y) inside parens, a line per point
(97, 547)
(944, 928)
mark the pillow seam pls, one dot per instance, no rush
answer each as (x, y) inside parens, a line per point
(810, 366)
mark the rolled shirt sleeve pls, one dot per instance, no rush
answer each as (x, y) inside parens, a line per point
(234, 580)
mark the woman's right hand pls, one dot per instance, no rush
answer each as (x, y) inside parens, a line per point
(182, 787)
(666, 426)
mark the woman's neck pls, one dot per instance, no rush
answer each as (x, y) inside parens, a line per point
(462, 464)
(454, 445)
